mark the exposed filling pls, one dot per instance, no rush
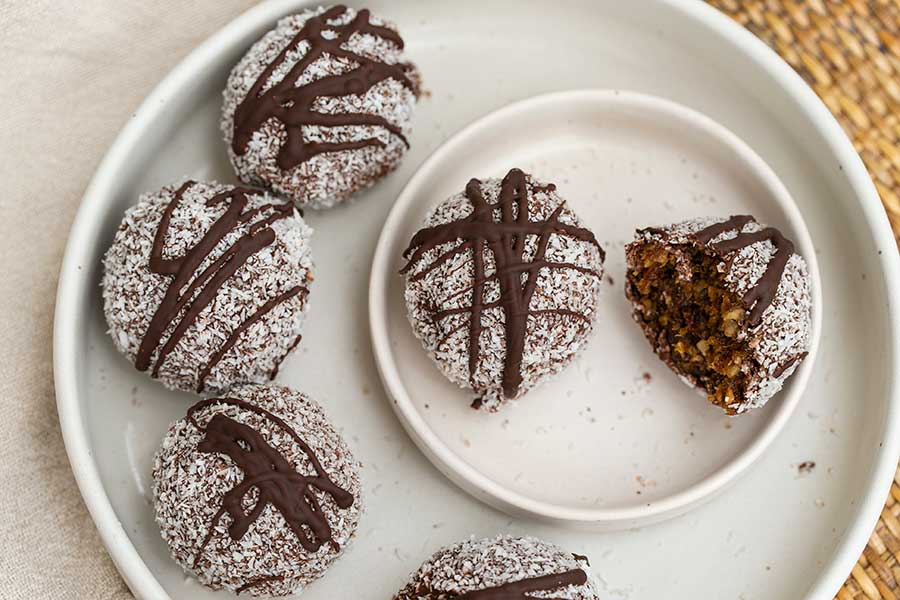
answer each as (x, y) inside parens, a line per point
(692, 317)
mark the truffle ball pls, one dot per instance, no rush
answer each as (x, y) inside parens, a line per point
(256, 492)
(321, 106)
(205, 285)
(501, 568)
(502, 286)
(725, 303)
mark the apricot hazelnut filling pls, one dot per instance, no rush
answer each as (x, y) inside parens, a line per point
(692, 319)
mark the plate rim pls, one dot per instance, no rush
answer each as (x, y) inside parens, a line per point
(135, 572)
(456, 468)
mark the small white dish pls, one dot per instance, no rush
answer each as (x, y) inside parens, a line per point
(616, 440)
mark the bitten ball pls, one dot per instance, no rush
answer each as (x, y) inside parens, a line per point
(205, 285)
(256, 492)
(320, 107)
(725, 303)
(499, 569)
(503, 286)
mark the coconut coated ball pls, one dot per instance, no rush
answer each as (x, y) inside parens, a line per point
(320, 107)
(205, 285)
(499, 569)
(256, 492)
(503, 286)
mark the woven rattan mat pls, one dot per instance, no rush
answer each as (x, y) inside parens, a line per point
(848, 51)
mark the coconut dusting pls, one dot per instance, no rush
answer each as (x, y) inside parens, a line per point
(783, 332)
(551, 340)
(132, 292)
(189, 486)
(476, 565)
(329, 178)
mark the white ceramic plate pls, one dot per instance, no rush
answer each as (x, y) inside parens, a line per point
(773, 535)
(617, 440)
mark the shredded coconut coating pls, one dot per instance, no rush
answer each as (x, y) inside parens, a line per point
(551, 340)
(784, 330)
(330, 178)
(475, 565)
(132, 292)
(189, 485)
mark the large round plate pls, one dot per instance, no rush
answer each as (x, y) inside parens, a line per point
(775, 534)
(616, 440)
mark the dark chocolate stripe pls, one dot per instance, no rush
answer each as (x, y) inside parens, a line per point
(506, 240)
(516, 590)
(258, 582)
(780, 369)
(265, 469)
(293, 106)
(246, 248)
(522, 590)
(280, 360)
(704, 236)
(239, 330)
(189, 293)
(525, 267)
(760, 296)
(581, 558)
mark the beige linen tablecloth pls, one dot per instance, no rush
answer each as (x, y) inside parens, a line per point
(71, 74)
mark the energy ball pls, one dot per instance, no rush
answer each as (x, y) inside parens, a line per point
(503, 568)
(725, 303)
(256, 492)
(205, 285)
(502, 286)
(321, 106)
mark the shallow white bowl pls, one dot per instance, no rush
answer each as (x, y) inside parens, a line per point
(616, 440)
(478, 56)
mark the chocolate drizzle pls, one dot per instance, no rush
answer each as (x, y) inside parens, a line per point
(516, 590)
(783, 367)
(190, 292)
(705, 236)
(239, 330)
(258, 582)
(761, 295)
(522, 590)
(281, 358)
(278, 483)
(294, 107)
(506, 240)
(582, 557)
